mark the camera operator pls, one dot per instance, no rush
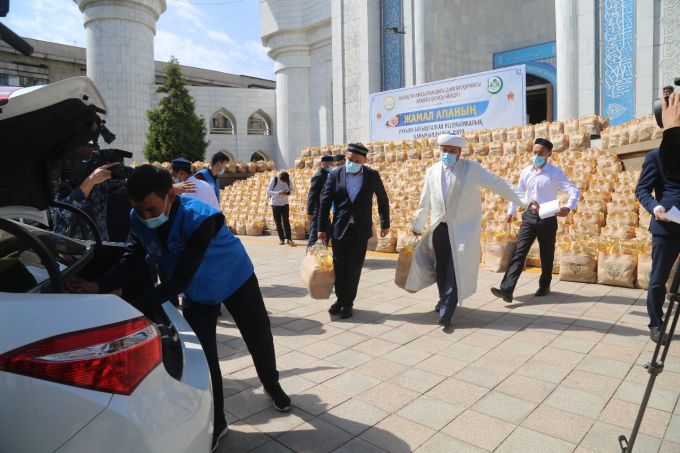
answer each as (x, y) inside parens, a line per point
(661, 174)
(104, 199)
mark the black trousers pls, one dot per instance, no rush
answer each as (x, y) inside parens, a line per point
(313, 231)
(444, 267)
(349, 254)
(665, 250)
(282, 221)
(533, 227)
(250, 315)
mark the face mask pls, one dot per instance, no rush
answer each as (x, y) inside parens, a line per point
(155, 222)
(352, 167)
(538, 161)
(448, 159)
(220, 172)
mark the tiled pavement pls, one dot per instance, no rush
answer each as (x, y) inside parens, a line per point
(556, 374)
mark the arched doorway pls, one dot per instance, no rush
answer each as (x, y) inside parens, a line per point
(258, 156)
(541, 98)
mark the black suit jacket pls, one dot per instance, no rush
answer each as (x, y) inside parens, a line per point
(314, 196)
(335, 191)
(666, 193)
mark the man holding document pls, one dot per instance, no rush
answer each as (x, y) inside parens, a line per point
(540, 181)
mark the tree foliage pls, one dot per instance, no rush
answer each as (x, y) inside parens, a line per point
(174, 128)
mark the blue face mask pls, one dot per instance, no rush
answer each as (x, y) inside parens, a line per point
(448, 159)
(352, 167)
(538, 161)
(155, 222)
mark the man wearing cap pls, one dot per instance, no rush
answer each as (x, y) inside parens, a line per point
(181, 173)
(338, 161)
(448, 253)
(351, 188)
(540, 181)
(314, 196)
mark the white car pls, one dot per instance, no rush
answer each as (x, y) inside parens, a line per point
(80, 373)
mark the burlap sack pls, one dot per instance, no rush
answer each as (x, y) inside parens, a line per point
(388, 244)
(480, 149)
(241, 228)
(299, 163)
(373, 241)
(541, 130)
(579, 141)
(498, 251)
(317, 272)
(528, 132)
(604, 139)
(498, 135)
(513, 134)
(633, 131)
(658, 132)
(404, 265)
(572, 127)
(254, 228)
(646, 129)
(534, 256)
(617, 270)
(495, 149)
(297, 230)
(560, 142)
(644, 271)
(590, 124)
(484, 136)
(556, 128)
(578, 267)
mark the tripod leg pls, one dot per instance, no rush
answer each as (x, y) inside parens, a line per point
(654, 368)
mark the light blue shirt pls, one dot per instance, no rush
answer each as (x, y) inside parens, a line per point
(354, 182)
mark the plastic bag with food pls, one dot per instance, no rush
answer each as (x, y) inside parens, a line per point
(317, 272)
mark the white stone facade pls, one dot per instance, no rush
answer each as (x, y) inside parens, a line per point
(241, 103)
(120, 61)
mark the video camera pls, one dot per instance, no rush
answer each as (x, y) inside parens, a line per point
(657, 104)
(72, 170)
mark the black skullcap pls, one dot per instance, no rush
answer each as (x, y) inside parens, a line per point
(545, 142)
(338, 158)
(181, 164)
(327, 158)
(357, 148)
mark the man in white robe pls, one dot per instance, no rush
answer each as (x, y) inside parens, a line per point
(448, 253)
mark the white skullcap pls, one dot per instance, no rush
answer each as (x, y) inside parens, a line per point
(451, 140)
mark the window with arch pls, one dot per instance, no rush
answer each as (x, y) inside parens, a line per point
(223, 122)
(230, 158)
(258, 156)
(259, 124)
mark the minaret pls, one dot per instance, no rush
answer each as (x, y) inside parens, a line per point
(120, 60)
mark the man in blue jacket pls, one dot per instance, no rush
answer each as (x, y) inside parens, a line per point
(661, 174)
(314, 196)
(188, 241)
(212, 174)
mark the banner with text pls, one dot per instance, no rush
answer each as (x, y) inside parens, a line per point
(486, 100)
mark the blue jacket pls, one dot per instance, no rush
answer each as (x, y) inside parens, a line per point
(208, 177)
(225, 267)
(666, 193)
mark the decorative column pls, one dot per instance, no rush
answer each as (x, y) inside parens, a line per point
(566, 36)
(290, 53)
(669, 57)
(120, 60)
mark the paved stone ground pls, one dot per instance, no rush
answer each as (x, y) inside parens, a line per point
(556, 374)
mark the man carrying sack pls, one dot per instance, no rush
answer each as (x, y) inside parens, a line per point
(351, 189)
(540, 181)
(448, 253)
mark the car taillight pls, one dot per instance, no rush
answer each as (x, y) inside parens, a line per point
(113, 358)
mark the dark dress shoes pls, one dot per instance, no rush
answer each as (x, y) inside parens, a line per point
(437, 307)
(444, 321)
(346, 312)
(542, 292)
(505, 295)
(335, 308)
(655, 335)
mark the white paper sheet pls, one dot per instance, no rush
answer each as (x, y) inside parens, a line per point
(548, 209)
(673, 215)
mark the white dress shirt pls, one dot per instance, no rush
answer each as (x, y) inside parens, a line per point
(447, 176)
(542, 185)
(204, 192)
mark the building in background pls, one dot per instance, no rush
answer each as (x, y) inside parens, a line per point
(607, 57)
(239, 110)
